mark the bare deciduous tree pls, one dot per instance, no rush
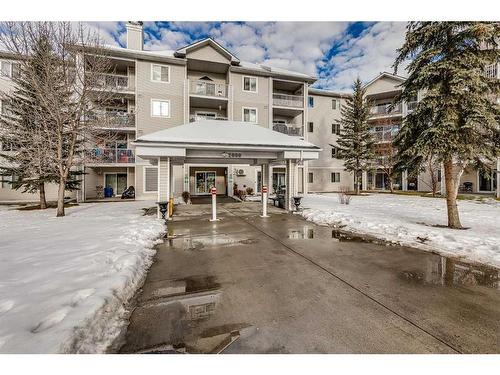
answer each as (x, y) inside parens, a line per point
(72, 67)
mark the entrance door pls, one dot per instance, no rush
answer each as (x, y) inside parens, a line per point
(204, 181)
(117, 181)
(279, 181)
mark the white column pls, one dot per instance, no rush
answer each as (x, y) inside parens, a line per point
(185, 182)
(364, 180)
(304, 177)
(291, 186)
(404, 180)
(163, 181)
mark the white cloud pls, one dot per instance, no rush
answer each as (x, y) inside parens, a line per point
(299, 46)
(372, 52)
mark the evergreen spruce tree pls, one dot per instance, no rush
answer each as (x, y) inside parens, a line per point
(22, 131)
(356, 141)
(457, 120)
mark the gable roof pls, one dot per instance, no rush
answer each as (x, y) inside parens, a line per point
(229, 133)
(385, 74)
(182, 52)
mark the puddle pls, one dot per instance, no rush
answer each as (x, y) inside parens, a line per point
(348, 237)
(181, 310)
(451, 272)
(220, 240)
(305, 233)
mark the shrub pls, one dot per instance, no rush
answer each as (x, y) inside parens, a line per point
(249, 191)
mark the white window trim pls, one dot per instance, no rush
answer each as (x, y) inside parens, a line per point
(144, 179)
(161, 100)
(337, 105)
(256, 84)
(256, 115)
(166, 66)
(335, 182)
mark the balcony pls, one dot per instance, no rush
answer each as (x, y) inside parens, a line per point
(383, 134)
(208, 89)
(193, 118)
(295, 130)
(385, 110)
(110, 156)
(113, 82)
(113, 120)
(285, 100)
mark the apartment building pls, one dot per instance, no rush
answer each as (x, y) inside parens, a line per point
(386, 122)
(288, 141)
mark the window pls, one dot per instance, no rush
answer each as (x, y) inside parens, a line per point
(150, 179)
(310, 127)
(336, 129)
(335, 152)
(5, 68)
(4, 107)
(311, 102)
(6, 181)
(335, 176)
(160, 108)
(250, 84)
(15, 70)
(439, 175)
(335, 104)
(160, 73)
(311, 177)
(250, 114)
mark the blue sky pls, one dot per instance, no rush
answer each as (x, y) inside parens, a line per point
(335, 52)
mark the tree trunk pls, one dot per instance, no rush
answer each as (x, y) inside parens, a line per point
(356, 182)
(451, 179)
(43, 200)
(60, 198)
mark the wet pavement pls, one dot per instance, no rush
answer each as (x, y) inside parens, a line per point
(247, 284)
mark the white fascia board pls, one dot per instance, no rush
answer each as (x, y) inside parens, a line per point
(160, 151)
(300, 155)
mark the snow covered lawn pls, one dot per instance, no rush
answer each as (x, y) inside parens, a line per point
(63, 281)
(410, 220)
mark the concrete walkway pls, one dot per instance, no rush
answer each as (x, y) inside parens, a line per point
(248, 284)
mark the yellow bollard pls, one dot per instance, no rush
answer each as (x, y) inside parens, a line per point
(170, 206)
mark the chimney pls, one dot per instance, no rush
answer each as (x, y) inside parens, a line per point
(135, 35)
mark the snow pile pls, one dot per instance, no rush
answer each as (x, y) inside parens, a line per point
(64, 281)
(414, 221)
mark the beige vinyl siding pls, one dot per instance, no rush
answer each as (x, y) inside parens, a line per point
(323, 116)
(259, 100)
(148, 90)
(322, 180)
(383, 84)
(208, 53)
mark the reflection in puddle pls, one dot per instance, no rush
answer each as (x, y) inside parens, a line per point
(199, 243)
(451, 272)
(184, 308)
(348, 237)
(305, 233)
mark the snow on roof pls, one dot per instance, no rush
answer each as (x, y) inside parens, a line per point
(158, 53)
(227, 133)
(270, 69)
(313, 90)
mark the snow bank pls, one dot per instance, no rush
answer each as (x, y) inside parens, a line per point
(64, 281)
(412, 220)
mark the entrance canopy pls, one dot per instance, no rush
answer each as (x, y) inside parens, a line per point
(223, 142)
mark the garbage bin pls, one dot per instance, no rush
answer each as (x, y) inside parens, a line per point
(108, 192)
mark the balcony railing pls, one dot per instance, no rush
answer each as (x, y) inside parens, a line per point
(110, 156)
(113, 119)
(385, 109)
(207, 88)
(284, 100)
(193, 118)
(410, 106)
(491, 71)
(386, 134)
(113, 82)
(288, 129)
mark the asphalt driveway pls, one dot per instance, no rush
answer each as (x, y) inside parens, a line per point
(247, 284)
